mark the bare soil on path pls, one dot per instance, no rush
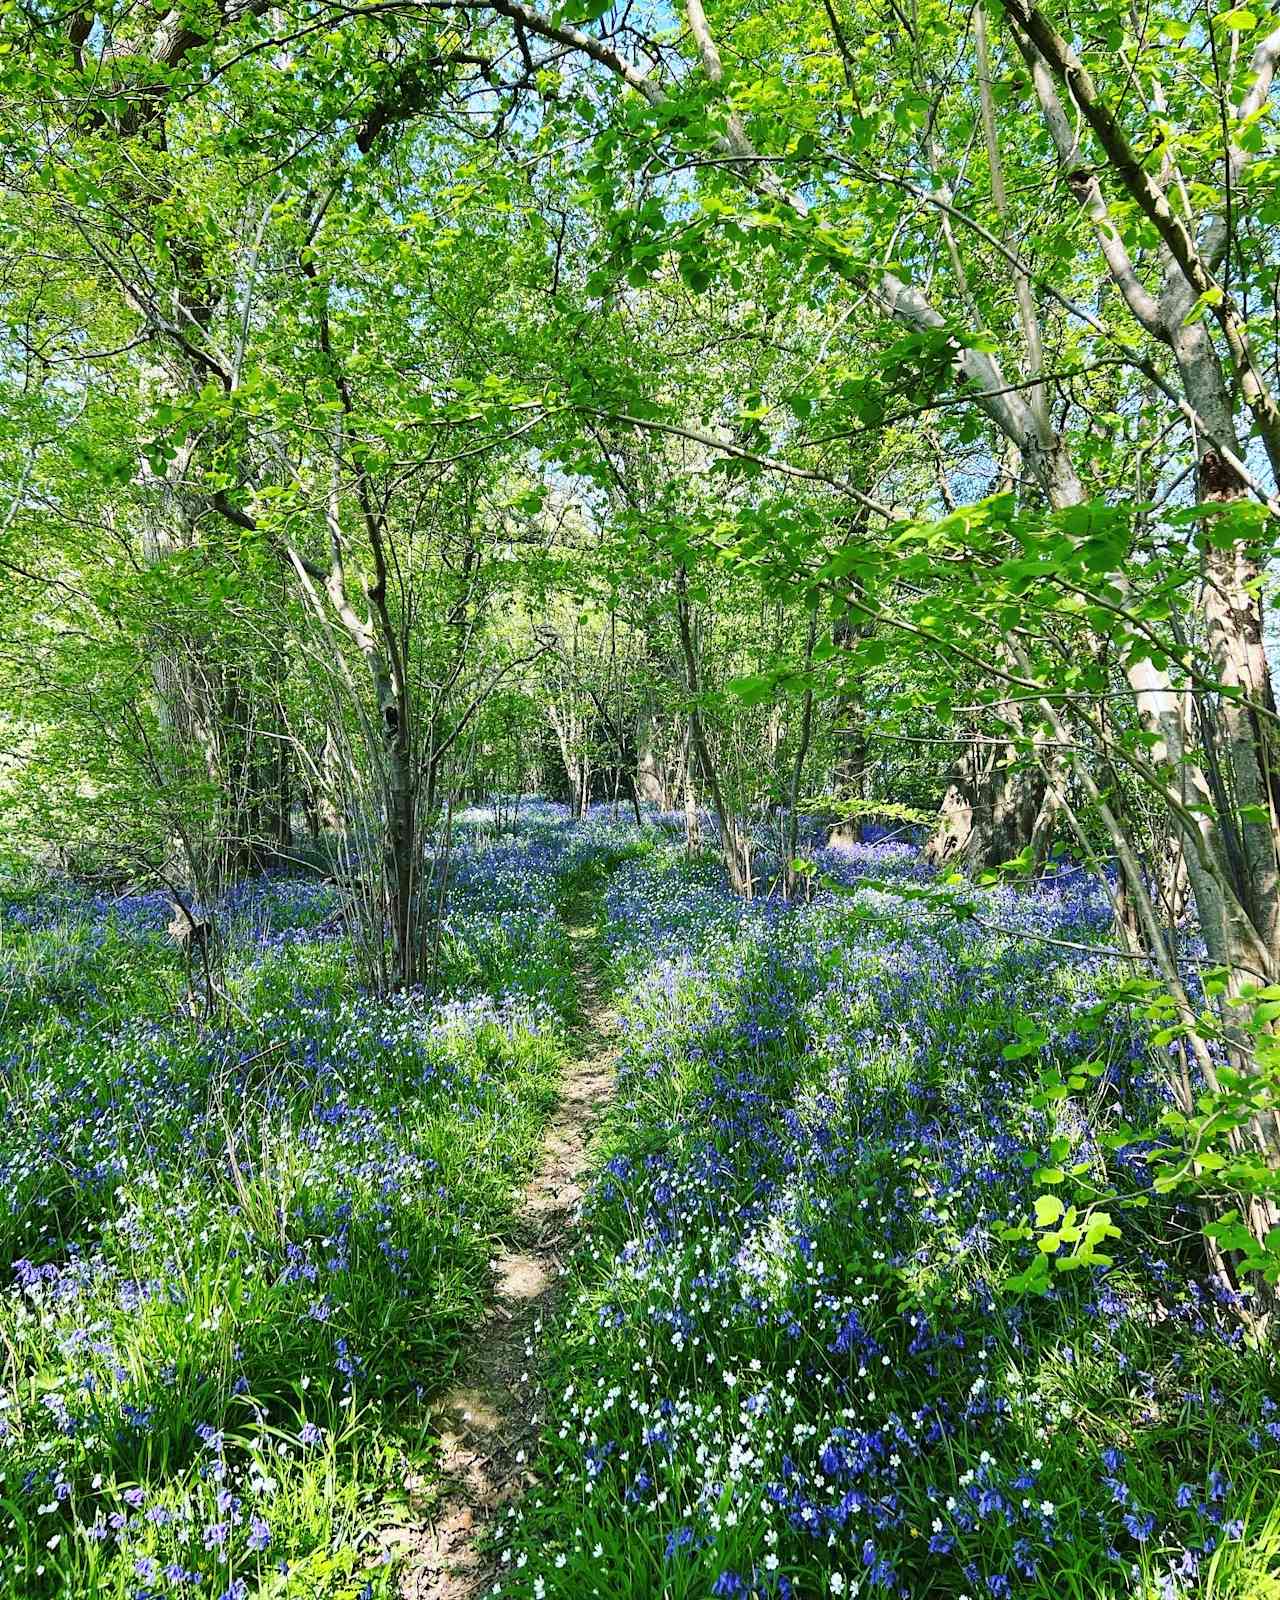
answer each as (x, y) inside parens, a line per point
(490, 1421)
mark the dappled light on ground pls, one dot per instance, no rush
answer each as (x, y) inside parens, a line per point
(341, 1298)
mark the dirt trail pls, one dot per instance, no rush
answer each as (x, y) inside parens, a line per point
(490, 1421)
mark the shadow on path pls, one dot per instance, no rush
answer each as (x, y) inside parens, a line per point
(490, 1421)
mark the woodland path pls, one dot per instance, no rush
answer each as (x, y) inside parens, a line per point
(490, 1420)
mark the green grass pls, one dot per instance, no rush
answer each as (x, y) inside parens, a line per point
(793, 1248)
(247, 1256)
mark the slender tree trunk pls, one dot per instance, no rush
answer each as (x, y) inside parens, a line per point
(648, 786)
(849, 769)
(734, 848)
(792, 829)
(692, 828)
(792, 834)
(400, 829)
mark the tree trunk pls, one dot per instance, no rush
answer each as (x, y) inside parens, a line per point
(579, 788)
(649, 787)
(692, 828)
(791, 834)
(734, 846)
(401, 868)
(849, 769)
(993, 810)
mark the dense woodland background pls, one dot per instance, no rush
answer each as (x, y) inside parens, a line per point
(408, 402)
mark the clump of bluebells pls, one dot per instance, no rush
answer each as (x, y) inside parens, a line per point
(238, 1260)
(792, 1366)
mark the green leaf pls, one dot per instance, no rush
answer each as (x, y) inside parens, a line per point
(1025, 1047)
(1036, 1279)
(754, 690)
(1211, 297)
(1230, 1234)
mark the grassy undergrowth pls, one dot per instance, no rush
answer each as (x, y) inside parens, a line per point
(790, 1367)
(241, 1260)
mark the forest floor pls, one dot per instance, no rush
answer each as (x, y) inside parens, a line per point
(498, 1294)
(491, 1419)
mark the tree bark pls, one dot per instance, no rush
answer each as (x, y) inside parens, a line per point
(849, 768)
(650, 786)
(734, 848)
